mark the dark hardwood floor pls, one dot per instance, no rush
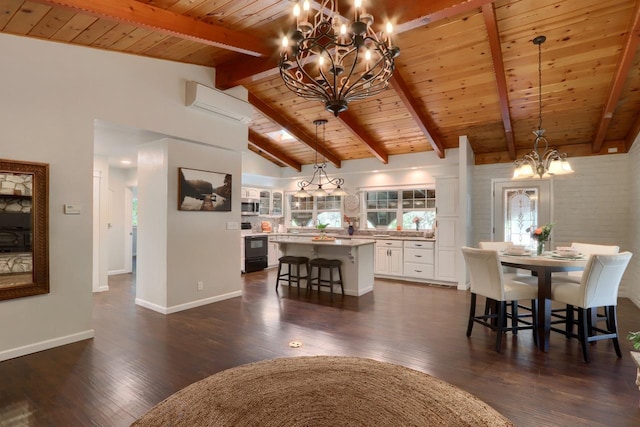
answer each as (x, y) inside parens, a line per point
(139, 357)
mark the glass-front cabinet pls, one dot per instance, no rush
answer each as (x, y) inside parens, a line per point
(277, 202)
(271, 202)
(265, 202)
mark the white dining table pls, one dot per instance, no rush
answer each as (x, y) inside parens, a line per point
(544, 266)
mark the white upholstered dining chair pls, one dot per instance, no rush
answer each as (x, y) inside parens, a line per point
(597, 288)
(488, 280)
(576, 276)
(510, 272)
(590, 249)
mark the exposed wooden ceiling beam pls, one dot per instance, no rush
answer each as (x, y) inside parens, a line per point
(421, 119)
(349, 121)
(490, 20)
(167, 22)
(632, 135)
(263, 143)
(284, 123)
(417, 14)
(414, 14)
(243, 70)
(631, 43)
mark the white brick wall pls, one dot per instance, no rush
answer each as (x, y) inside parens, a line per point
(599, 203)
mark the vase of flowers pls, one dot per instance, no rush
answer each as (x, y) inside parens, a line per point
(416, 221)
(541, 235)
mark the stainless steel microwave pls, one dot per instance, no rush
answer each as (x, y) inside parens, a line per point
(250, 207)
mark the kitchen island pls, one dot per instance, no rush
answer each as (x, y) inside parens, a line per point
(357, 256)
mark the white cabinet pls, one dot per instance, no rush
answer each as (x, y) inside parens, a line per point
(274, 253)
(388, 257)
(418, 259)
(447, 197)
(265, 202)
(249, 193)
(271, 202)
(277, 202)
(447, 245)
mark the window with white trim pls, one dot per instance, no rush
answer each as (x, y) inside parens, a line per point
(412, 209)
(307, 212)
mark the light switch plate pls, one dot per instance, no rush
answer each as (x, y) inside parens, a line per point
(72, 209)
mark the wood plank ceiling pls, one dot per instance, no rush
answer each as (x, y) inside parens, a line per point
(467, 67)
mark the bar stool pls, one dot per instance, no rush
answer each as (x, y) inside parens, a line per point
(288, 276)
(320, 264)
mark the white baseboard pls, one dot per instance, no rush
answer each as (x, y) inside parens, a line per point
(45, 345)
(102, 289)
(186, 306)
(114, 272)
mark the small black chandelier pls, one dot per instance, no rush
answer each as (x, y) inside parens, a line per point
(320, 174)
(336, 61)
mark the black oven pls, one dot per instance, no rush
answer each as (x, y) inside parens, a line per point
(255, 253)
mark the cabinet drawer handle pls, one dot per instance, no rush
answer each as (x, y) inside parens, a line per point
(418, 271)
(418, 256)
(419, 246)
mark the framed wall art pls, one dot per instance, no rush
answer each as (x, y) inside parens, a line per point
(200, 190)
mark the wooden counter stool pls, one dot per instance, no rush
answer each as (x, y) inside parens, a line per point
(288, 276)
(320, 264)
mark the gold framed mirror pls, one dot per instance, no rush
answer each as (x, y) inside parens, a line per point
(24, 229)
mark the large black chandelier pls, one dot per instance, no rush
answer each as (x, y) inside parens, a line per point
(551, 161)
(320, 177)
(334, 60)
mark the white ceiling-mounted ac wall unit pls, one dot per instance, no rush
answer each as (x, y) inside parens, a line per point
(214, 101)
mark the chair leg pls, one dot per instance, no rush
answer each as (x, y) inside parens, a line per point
(502, 322)
(612, 320)
(472, 314)
(534, 320)
(340, 278)
(569, 321)
(331, 281)
(583, 330)
(298, 276)
(278, 277)
(514, 317)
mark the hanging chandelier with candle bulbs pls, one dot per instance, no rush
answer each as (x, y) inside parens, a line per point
(550, 162)
(316, 186)
(331, 59)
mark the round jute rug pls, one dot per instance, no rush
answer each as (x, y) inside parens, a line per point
(321, 391)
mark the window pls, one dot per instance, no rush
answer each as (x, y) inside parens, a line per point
(301, 211)
(307, 212)
(412, 208)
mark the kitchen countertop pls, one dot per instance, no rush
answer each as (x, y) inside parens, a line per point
(340, 236)
(306, 240)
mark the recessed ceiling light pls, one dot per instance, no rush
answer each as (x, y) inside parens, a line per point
(125, 162)
(375, 171)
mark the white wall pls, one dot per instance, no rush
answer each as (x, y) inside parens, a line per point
(178, 249)
(591, 205)
(47, 115)
(118, 178)
(632, 284)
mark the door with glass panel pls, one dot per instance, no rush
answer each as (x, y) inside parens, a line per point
(518, 205)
